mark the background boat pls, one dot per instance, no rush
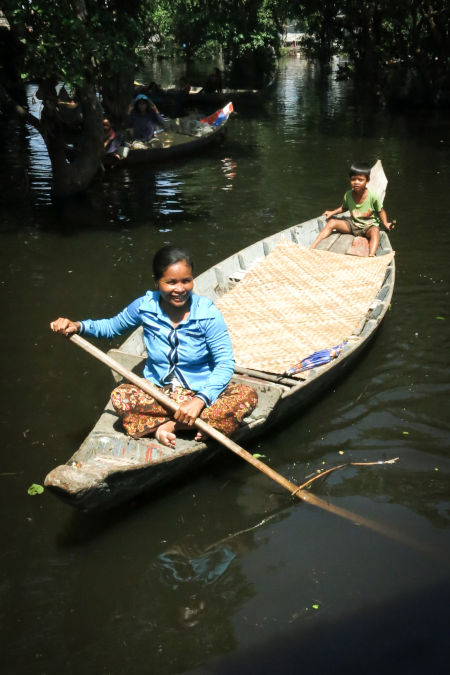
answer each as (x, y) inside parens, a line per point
(181, 136)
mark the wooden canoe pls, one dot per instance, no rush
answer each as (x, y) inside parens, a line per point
(178, 140)
(110, 467)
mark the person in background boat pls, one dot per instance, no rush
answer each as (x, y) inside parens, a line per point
(213, 83)
(181, 97)
(143, 116)
(111, 140)
(189, 355)
(366, 211)
(184, 86)
(154, 88)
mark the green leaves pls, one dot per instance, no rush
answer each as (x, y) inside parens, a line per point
(60, 42)
(35, 489)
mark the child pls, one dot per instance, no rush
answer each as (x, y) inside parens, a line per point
(111, 141)
(366, 211)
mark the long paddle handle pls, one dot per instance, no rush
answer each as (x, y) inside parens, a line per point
(304, 495)
(167, 402)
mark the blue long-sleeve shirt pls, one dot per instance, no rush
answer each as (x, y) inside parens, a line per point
(197, 352)
(143, 125)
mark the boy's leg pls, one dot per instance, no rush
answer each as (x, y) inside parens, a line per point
(373, 235)
(332, 224)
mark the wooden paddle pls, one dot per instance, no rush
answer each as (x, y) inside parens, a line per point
(294, 489)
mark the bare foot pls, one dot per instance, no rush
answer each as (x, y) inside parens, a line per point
(164, 434)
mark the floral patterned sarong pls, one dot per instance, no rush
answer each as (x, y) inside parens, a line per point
(141, 414)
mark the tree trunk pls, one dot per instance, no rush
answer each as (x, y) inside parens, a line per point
(72, 177)
(11, 56)
(117, 93)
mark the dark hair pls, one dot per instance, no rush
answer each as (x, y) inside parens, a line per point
(167, 256)
(359, 169)
(140, 98)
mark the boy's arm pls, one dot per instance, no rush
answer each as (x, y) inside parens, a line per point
(329, 214)
(384, 219)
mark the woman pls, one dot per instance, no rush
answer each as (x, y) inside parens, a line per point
(189, 355)
(142, 117)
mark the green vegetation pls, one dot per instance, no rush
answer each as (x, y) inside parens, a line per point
(400, 51)
(397, 51)
(87, 44)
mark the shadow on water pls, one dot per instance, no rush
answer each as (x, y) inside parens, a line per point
(370, 641)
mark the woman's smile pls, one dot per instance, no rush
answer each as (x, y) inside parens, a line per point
(179, 297)
(176, 284)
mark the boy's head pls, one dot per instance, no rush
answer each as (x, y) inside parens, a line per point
(359, 169)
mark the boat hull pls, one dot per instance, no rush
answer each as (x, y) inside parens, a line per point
(182, 146)
(110, 468)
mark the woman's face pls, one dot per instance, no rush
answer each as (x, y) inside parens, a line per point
(176, 284)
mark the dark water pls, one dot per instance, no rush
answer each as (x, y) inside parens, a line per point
(223, 573)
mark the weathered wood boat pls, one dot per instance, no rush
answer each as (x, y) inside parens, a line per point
(183, 136)
(278, 274)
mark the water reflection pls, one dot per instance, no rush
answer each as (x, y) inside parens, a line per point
(176, 566)
(229, 169)
(176, 583)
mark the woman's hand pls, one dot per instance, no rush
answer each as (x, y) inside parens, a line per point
(188, 411)
(328, 214)
(65, 326)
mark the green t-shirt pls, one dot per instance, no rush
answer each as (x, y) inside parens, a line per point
(365, 214)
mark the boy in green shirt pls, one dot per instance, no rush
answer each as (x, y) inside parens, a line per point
(366, 211)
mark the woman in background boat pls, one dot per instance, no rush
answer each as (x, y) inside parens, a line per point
(189, 355)
(142, 117)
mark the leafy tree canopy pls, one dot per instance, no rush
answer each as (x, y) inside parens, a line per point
(76, 40)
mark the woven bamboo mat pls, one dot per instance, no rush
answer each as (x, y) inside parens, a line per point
(297, 301)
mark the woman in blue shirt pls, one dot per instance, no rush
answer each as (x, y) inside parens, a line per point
(143, 116)
(189, 354)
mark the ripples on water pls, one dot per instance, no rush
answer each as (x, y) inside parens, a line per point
(226, 562)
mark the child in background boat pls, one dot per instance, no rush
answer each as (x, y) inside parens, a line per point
(189, 355)
(112, 142)
(366, 211)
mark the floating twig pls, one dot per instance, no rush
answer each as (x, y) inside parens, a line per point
(342, 466)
